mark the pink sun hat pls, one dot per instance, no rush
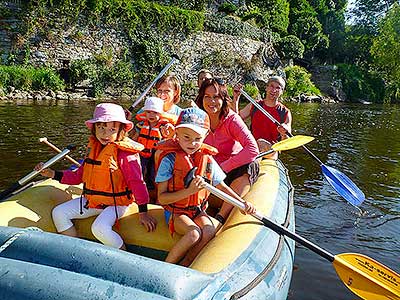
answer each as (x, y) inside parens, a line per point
(109, 112)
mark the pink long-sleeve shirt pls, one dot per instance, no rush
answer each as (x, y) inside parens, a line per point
(130, 167)
(234, 141)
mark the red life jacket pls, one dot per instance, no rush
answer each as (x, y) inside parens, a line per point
(262, 126)
(150, 136)
(183, 164)
(103, 181)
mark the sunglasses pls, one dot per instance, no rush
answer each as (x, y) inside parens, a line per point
(218, 80)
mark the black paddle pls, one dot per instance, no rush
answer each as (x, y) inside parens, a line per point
(339, 181)
(364, 276)
(20, 183)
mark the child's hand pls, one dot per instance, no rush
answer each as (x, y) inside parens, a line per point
(196, 185)
(167, 131)
(45, 172)
(147, 221)
(249, 208)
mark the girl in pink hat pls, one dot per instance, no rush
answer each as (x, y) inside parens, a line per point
(111, 176)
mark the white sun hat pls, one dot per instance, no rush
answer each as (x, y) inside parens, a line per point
(154, 104)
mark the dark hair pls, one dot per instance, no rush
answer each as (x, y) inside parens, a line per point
(222, 91)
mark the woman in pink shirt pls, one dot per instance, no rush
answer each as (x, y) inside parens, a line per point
(237, 148)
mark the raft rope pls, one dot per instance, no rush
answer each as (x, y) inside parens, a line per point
(260, 277)
(16, 235)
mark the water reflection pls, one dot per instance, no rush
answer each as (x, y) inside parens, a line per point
(361, 141)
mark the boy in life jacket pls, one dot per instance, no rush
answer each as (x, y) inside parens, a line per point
(185, 207)
(111, 176)
(153, 126)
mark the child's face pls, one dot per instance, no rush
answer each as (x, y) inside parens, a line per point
(167, 92)
(107, 132)
(152, 116)
(189, 140)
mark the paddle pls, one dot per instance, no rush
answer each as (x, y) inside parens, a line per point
(288, 144)
(339, 181)
(363, 275)
(56, 149)
(174, 59)
(20, 183)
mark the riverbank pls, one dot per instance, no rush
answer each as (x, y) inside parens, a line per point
(15, 95)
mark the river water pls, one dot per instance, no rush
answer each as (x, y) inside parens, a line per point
(362, 141)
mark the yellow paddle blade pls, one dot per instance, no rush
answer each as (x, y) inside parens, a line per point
(366, 277)
(292, 142)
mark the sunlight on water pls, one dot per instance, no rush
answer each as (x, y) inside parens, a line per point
(361, 141)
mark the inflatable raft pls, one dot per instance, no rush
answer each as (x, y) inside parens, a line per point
(245, 260)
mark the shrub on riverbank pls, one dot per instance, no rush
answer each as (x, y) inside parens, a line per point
(29, 78)
(298, 81)
(361, 84)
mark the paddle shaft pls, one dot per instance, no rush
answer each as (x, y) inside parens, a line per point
(269, 116)
(268, 223)
(265, 153)
(163, 71)
(34, 173)
(56, 149)
(365, 277)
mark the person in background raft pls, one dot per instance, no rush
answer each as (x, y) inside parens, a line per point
(203, 75)
(237, 148)
(112, 179)
(264, 130)
(151, 128)
(185, 206)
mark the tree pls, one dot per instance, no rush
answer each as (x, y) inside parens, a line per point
(305, 25)
(273, 14)
(385, 51)
(368, 12)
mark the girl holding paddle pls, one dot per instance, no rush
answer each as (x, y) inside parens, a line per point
(264, 130)
(111, 176)
(237, 148)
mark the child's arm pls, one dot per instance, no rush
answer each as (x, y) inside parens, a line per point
(134, 135)
(66, 176)
(45, 172)
(249, 207)
(130, 166)
(165, 197)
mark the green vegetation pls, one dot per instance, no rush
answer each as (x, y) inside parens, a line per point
(290, 46)
(298, 81)
(366, 51)
(360, 84)
(29, 78)
(386, 53)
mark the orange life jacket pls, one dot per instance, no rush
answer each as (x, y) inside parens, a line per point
(103, 181)
(150, 136)
(183, 164)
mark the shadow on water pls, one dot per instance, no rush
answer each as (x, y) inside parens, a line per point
(361, 141)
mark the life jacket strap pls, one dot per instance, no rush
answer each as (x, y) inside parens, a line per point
(127, 193)
(92, 161)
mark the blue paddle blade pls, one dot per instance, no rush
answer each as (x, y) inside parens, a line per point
(343, 185)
